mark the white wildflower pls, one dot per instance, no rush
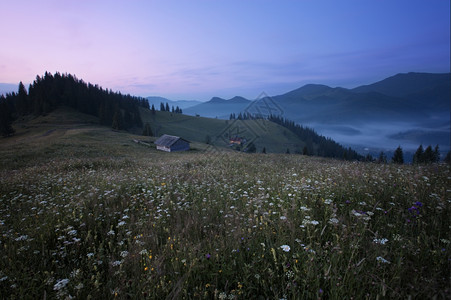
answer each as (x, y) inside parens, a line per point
(382, 260)
(285, 248)
(333, 221)
(60, 284)
(380, 241)
(22, 238)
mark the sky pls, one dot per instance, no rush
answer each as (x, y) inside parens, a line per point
(197, 49)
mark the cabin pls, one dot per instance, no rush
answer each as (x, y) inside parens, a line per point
(236, 141)
(170, 143)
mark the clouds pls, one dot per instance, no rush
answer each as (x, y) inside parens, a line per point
(194, 49)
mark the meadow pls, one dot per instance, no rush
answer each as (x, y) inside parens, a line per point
(85, 219)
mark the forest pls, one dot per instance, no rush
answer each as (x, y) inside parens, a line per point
(48, 92)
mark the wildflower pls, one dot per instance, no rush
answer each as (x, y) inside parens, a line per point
(72, 232)
(285, 248)
(22, 238)
(79, 286)
(328, 201)
(121, 223)
(116, 263)
(314, 222)
(60, 284)
(89, 255)
(124, 253)
(111, 232)
(333, 221)
(382, 260)
(208, 255)
(222, 296)
(380, 241)
(143, 252)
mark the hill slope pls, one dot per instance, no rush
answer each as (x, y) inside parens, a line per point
(262, 133)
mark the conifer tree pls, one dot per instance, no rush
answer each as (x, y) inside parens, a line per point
(382, 158)
(428, 155)
(117, 120)
(6, 119)
(398, 156)
(418, 156)
(147, 131)
(436, 154)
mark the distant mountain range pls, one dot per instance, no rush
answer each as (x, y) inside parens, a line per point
(6, 88)
(410, 109)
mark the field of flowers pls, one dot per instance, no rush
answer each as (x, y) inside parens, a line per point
(229, 226)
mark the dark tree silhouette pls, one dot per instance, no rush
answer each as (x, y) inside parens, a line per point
(147, 131)
(6, 119)
(398, 156)
(418, 157)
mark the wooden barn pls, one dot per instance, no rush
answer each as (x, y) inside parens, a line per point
(170, 143)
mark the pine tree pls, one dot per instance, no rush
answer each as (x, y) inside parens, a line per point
(22, 105)
(382, 158)
(117, 120)
(162, 107)
(6, 119)
(428, 155)
(436, 154)
(448, 158)
(147, 131)
(418, 156)
(167, 107)
(398, 156)
(153, 109)
(264, 150)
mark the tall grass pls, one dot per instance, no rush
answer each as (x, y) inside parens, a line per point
(235, 226)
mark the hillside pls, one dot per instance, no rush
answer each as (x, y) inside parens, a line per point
(86, 213)
(262, 133)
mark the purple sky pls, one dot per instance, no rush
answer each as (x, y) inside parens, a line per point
(199, 49)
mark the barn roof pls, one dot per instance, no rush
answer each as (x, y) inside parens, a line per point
(168, 140)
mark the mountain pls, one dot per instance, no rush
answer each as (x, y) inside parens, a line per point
(183, 104)
(219, 108)
(6, 88)
(403, 109)
(404, 85)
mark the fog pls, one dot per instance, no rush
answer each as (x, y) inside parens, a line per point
(387, 136)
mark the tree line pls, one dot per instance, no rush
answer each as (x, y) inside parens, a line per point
(315, 144)
(421, 156)
(48, 92)
(164, 107)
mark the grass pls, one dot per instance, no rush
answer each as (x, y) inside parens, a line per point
(263, 133)
(87, 213)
